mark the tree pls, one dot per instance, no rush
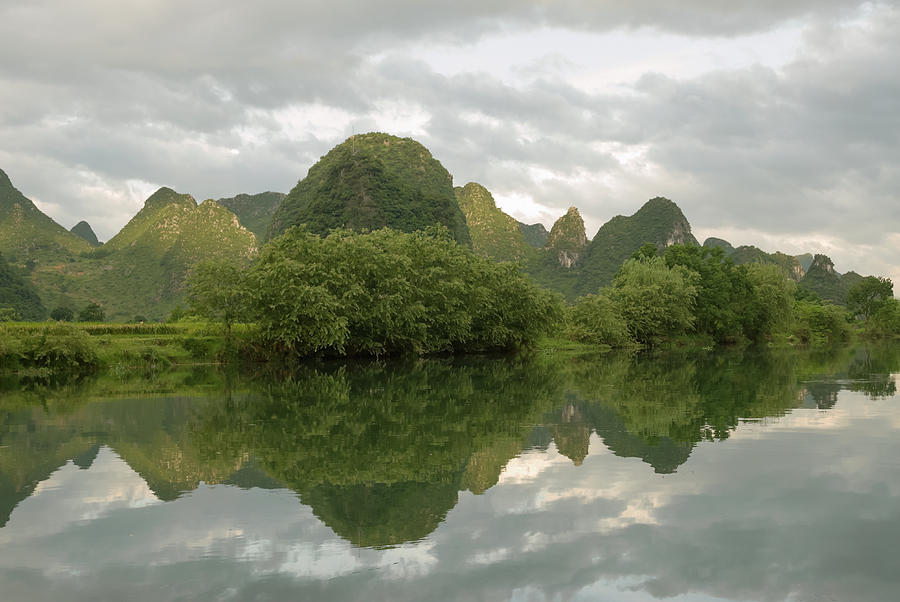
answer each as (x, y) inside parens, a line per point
(595, 319)
(867, 296)
(92, 313)
(768, 304)
(655, 300)
(217, 291)
(62, 314)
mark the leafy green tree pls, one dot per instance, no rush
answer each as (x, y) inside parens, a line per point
(92, 313)
(819, 323)
(655, 300)
(886, 321)
(8, 314)
(62, 314)
(389, 292)
(595, 319)
(721, 289)
(867, 296)
(768, 305)
(217, 291)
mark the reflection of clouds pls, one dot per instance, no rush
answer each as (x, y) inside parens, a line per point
(800, 507)
(71, 495)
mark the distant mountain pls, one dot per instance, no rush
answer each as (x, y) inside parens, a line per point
(255, 211)
(535, 234)
(84, 230)
(718, 243)
(18, 293)
(823, 280)
(494, 234)
(659, 221)
(567, 239)
(805, 261)
(142, 269)
(372, 181)
(28, 235)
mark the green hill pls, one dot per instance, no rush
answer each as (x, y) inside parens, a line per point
(372, 181)
(494, 234)
(792, 266)
(535, 234)
(84, 230)
(659, 221)
(254, 211)
(17, 293)
(823, 280)
(28, 235)
(142, 269)
(718, 243)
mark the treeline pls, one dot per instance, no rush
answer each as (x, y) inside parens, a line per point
(698, 291)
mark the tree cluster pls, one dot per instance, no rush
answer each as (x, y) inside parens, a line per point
(382, 292)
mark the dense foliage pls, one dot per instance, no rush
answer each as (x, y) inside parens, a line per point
(18, 295)
(868, 295)
(387, 292)
(372, 181)
(494, 234)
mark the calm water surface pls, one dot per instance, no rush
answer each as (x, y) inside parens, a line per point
(765, 475)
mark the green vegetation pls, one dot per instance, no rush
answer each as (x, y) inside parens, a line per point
(659, 221)
(494, 234)
(822, 280)
(93, 312)
(18, 295)
(62, 313)
(142, 270)
(28, 235)
(373, 181)
(84, 230)
(388, 292)
(868, 295)
(255, 211)
(535, 234)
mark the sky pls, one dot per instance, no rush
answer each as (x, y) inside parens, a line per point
(774, 123)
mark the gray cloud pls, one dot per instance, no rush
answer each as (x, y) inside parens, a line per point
(217, 98)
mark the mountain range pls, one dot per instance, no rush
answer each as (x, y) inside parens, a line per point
(367, 182)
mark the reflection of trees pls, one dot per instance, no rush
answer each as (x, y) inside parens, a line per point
(380, 451)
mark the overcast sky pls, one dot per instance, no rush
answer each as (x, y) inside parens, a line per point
(774, 122)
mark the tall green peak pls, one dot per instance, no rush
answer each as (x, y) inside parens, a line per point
(494, 233)
(164, 201)
(822, 279)
(567, 239)
(28, 234)
(143, 268)
(535, 234)
(83, 230)
(255, 211)
(373, 181)
(659, 221)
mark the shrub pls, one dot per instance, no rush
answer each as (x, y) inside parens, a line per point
(594, 319)
(59, 347)
(820, 323)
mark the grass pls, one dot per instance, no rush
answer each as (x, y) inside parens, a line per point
(120, 346)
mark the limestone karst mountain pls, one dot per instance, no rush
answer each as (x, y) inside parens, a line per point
(373, 181)
(824, 281)
(27, 235)
(494, 234)
(254, 211)
(142, 269)
(535, 234)
(659, 221)
(567, 239)
(84, 230)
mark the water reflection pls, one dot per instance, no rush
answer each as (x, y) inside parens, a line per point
(467, 464)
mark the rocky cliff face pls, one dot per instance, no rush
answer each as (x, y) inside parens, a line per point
(567, 239)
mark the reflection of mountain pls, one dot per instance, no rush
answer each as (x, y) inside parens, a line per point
(380, 452)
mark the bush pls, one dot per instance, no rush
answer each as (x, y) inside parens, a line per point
(388, 292)
(594, 319)
(59, 347)
(820, 323)
(886, 321)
